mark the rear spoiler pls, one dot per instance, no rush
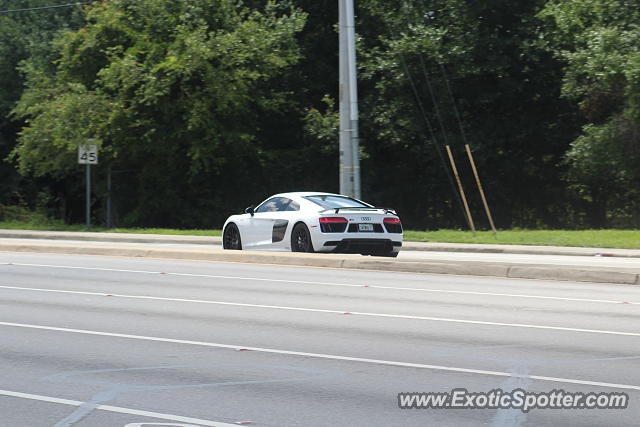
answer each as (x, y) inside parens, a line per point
(388, 211)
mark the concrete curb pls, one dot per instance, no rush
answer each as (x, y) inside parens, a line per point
(574, 274)
(521, 249)
(470, 268)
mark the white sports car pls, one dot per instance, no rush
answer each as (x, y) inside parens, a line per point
(315, 222)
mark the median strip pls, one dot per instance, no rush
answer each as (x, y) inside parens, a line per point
(467, 268)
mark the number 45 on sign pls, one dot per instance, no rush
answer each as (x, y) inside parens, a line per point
(88, 154)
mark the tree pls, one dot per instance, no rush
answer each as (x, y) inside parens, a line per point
(24, 35)
(600, 42)
(506, 88)
(176, 86)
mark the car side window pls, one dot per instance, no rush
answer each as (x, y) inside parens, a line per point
(270, 205)
(292, 206)
(278, 204)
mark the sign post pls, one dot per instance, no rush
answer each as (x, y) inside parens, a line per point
(88, 155)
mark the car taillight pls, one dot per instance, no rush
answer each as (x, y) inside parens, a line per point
(393, 225)
(333, 224)
(332, 220)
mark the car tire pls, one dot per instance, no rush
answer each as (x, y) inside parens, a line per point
(301, 239)
(231, 238)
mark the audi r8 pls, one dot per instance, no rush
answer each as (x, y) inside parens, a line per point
(315, 222)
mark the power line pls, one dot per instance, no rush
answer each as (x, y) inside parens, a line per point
(453, 101)
(43, 7)
(435, 141)
(433, 98)
(431, 129)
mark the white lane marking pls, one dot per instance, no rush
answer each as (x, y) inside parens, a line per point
(117, 409)
(160, 425)
(349, 285)
(320, 310)
(325, 356)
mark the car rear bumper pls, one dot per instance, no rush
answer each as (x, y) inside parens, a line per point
(359, 246)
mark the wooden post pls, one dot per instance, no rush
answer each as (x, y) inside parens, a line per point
(464, 198)
(484, 199)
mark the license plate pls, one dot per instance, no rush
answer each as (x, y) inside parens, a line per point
(365, 227)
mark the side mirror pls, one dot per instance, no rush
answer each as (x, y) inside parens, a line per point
(250, 210)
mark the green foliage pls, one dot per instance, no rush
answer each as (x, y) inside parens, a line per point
(600, 42)
(203, 107)
(485, 54)
(48, 145)
(324, 126)
(24, 36)
(176, 86)
(21, 214)
(603, 169)
(629, 239)
(148, 76)
(27, 35)
(598, 157)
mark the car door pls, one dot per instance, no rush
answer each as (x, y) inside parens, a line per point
(267, 227)
(256, 227)
(283, 219)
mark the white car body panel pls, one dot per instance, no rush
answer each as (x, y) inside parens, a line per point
(264, 230)
(259, 230)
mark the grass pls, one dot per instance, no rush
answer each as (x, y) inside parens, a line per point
(165, 231)
(629, 239)
(59, 226)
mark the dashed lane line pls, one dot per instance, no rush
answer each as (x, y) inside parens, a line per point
(348, 285)
(325, 356)
(320, 310)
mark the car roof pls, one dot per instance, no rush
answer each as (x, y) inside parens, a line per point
(306, 193)
(300, 196)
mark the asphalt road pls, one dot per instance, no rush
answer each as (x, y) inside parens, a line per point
(91, 341)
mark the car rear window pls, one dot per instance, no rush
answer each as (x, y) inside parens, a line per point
(329, 202)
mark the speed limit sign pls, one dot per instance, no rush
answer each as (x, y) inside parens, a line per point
(88, 154)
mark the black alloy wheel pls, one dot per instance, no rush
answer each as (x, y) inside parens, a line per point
(231, 238)
(301, 239)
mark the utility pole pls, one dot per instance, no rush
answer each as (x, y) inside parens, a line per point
(349, 136)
